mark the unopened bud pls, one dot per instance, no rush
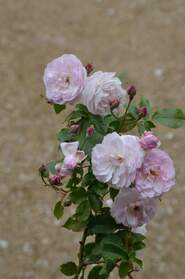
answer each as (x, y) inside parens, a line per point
(114, 103)
(143, 111)
(55, 180)
(131, 91)
(89, 68)
(75, 128)
(90, 131)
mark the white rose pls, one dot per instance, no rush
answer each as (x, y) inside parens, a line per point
(101, 90)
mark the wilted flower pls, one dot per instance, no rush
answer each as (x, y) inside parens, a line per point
(73, 156)
(149, 140)
(100, 90)
(131, 210)
(116, 160)
(157, 174)
(64, 79)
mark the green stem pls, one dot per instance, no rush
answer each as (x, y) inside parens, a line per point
(126, 110)
(117, 118)
(81, 252)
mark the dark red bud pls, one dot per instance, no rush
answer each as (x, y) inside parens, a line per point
(131, 91)
(143, 111)
(75, 128)
(55, 180)
(89, 68)
(114, 103)
(90, 131)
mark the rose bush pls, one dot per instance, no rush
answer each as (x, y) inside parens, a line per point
(113, 180)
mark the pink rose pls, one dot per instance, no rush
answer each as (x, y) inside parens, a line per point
(132, 210)
(149, 141)
(157, 174)
(116, 160)
(64, 79)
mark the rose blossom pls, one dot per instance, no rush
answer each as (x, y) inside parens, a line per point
(149, 140)
(100, 90)
(116, 160)
(131, 210)
(73, 156)
(64, 79)
(157, 174)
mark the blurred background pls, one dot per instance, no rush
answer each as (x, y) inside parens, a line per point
(145, 38)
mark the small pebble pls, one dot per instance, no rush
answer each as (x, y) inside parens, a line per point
(3, 244)
(159, 72)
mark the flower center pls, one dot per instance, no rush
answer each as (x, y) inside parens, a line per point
(116, 158)
(67, 81)
(135, 209)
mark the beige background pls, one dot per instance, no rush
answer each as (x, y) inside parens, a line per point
(144, 37)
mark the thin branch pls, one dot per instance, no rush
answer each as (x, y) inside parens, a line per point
(81, 264)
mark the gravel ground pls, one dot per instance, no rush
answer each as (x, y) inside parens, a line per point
(145, 38)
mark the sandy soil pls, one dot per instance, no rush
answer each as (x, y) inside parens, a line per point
(145, 38)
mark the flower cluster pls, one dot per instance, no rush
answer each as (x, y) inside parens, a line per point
(114, 179)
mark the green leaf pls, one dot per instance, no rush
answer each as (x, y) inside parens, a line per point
(83, 211)
(145, 125)
(172, 118)
(102, 224)
(114, 239)
(113, 193)
(68, 269)
(123, 269)
(95, 273)
(91, 253)
(99, 188)
(65, 135)
(58, 108)
(58, 210)
(146, 103)
(51, 166)
(139, 262)
(91, 141)
(133, 112)
(113, 252)
(74, 224)
(78, 195)
(95, 202)
(99, 123)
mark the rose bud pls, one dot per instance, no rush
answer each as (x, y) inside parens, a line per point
(149, 140)
(131, 91)
(143, 111)
(114, 103)
(90, 131)
(75, 128)
(89, 68)
(55, 180)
